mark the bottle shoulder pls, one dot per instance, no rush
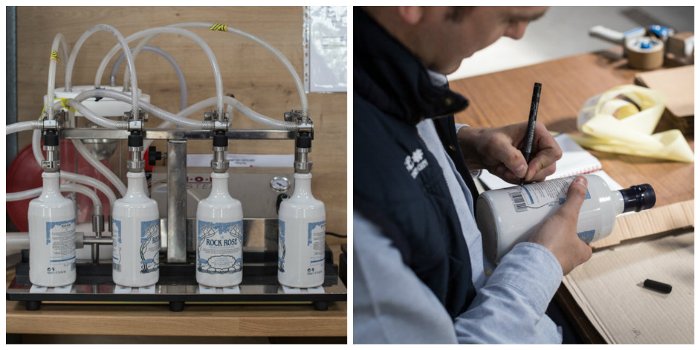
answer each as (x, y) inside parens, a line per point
(51, 200)
(138, 201)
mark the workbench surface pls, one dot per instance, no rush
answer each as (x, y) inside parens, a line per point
(239, 320)
(502, 98)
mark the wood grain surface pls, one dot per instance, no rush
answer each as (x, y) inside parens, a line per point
(249, 72)
(239, 320)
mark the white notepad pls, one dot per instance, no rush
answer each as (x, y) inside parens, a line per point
(574, 161)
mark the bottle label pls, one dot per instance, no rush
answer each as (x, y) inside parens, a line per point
(219, 247)
(150, 245)
(586, 236)
(550, 193)
(281, 247)
(316, 240)
(60, 237)
(116, 245)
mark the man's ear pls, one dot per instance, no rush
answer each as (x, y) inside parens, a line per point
(411, 14)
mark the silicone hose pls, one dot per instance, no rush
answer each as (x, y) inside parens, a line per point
(129, 61)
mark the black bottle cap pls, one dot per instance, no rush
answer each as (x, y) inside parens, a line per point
(220, 139)
(135, 139)
(639, 197)
(50, 138)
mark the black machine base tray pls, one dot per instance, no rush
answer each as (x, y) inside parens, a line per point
(177, 285)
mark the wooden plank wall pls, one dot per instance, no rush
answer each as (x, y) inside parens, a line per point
(249, 72)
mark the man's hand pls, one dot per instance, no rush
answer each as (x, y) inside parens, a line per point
(558, 234)
(498, 151)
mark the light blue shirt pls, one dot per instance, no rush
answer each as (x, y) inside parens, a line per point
(391, 305)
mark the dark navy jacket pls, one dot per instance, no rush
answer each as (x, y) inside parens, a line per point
(398, 184)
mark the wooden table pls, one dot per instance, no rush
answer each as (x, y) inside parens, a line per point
(503, 98)
(196, 321)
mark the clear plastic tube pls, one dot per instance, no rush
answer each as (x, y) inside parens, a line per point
(59, 42)
(104, 170)
(283, 59)
(35, 192)
(180, 118)
(119, 96)
(257, 117)
(101, 121)
(148, 33)
(82, 179)
(129, 60)
(22, 126)
(15, 242)
(168, 57)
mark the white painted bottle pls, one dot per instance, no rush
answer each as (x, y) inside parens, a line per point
(51, 236)
(511, 215)
(136, 236)
(302, 237)
(219, 236)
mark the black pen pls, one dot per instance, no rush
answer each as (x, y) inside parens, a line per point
(532, 120)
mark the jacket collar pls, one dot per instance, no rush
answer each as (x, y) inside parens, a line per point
(390, 77)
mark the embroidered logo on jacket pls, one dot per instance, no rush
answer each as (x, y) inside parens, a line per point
(415, 163)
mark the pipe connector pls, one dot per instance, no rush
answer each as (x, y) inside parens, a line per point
(303, 120)
(219, 163)
(214, 121)
(52, 163)
(98, 224)
(302, 164)
(135, 163)
(135, 123)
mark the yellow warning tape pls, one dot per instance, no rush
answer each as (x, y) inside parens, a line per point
(54, 56)
(218, 27)
(65, 105)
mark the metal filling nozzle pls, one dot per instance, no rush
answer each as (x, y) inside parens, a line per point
(219, 163)
(135, 163)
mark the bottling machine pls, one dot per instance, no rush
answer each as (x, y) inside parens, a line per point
(94, 119)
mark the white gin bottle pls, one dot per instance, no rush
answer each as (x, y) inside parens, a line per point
(511, 215)
(136, 236)
(219, 236)
(51, 236)
(302, 231)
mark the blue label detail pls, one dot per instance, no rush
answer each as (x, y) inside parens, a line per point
(116, 245)
(532, 201)
(281, 247)
(586, 236)
(50, 225)
(312, 226)
(117, 227)
(150, 245)
(219, 241)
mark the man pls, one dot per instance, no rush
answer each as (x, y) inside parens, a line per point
(419, 273)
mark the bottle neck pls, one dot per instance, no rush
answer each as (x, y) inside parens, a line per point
(637, 198)
(135, 184)
(51, 184)
(219, 185)
(302, 186)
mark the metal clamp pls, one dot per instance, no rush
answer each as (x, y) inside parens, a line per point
(135, 123)
(213, 121)
(49, 124)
